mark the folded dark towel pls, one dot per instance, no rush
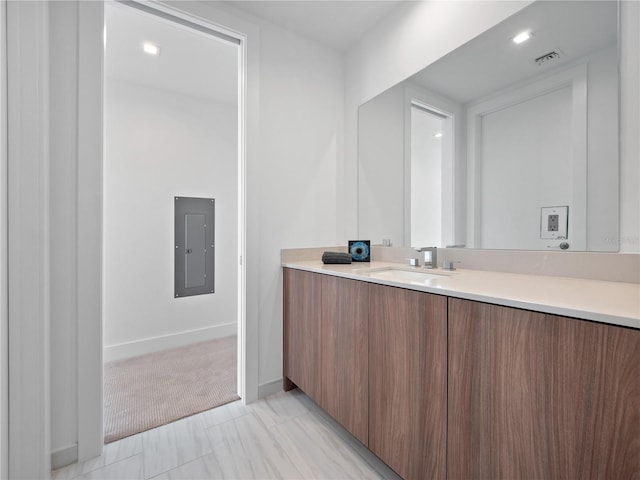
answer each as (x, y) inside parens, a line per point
(336, 257)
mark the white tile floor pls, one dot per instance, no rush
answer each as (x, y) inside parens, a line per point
(282, 436)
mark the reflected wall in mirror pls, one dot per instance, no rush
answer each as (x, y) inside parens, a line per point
(474, 149)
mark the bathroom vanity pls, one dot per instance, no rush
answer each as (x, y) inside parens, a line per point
(470, 374)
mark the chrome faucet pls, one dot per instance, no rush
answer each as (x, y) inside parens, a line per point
(449, 264)
(430, 256)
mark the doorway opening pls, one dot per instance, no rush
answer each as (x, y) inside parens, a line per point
(431, 159)
(172, 116)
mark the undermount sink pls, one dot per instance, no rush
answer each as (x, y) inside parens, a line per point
(403, 275)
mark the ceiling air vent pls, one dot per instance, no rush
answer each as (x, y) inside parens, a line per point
(548, 57)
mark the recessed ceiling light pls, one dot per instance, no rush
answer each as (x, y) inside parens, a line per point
(151, 49)
(438, 135)
(522, 37)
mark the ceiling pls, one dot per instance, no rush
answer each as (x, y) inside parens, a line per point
(197, 64)
(492, 61)
(336, 23)
(190, 62)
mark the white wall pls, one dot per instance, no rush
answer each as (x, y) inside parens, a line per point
(301, 142)
(526, 164)
(161, 144)
(4, 331)
(630, 126)
(381, 175)
(603, 155)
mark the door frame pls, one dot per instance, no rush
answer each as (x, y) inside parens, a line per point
(4, 330)
(427, 100)
(90, 120)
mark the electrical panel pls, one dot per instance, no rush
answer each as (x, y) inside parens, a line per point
(194, 263)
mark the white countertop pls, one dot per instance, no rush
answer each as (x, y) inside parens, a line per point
(615, 303)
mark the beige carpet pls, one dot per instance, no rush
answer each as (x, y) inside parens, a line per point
(144, 392)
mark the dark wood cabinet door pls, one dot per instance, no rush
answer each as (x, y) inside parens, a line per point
(301, 316)
(408, 381)
(344, 354)
(535, 396)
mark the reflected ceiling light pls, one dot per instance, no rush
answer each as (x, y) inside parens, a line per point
(522, 37)
(438, 135)
(151, 49)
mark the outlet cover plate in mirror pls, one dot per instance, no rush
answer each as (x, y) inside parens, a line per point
(554, 222)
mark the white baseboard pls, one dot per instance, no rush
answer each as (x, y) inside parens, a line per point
(269, 388)
(64, 456)
(155, 344)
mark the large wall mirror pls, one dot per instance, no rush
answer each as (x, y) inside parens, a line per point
(500, 144)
